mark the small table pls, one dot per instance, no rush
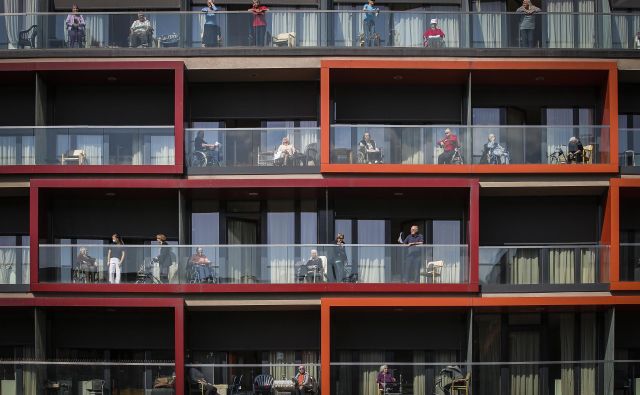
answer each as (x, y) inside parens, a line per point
(341, 155)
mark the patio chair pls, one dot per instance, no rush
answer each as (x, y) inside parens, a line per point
(75, 156)
(27, 38)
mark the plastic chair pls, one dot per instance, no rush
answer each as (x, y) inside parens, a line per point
(433, 270)
(461, 386)
(263, 384)
(74, 156)
(236, 385)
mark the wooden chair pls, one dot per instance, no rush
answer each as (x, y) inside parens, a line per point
(461, 386)
(433, 270)
(76, 155)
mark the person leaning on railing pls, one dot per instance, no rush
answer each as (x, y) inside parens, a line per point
(411, 268)
(259, 23)
(211, 30)
(527, 23)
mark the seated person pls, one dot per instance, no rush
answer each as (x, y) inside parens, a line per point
(636, 41)
(492, 151)
(449, 143)
(201, 264)
(87, 264)
(196, 376)
(575, 151)
(384, 378)
(369, 150)
(212, 151)
(141, 32)
(313, 265)
(285, 153)
(302, 381)
(433, 37)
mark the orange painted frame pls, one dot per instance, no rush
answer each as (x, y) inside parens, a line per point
(614, 193)
(610, 115)
(326, 304)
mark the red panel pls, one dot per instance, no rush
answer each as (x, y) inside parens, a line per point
(34, 234)
(466, 169)
(91, 302)
(325, 347)
(253, 288)
(98, 64)
(325, 115)
(474, 233)
(179, 347)
(178, 117)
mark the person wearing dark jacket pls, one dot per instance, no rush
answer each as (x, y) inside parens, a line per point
(338, 260)
(165, 258)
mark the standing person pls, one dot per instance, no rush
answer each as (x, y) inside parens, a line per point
(338, 260)
(527, 23)
(411, 268)
(259, 23)
(75, 27)
(115, 258)
(164, 259)
(449, 143)
(211, 30)
(369, 22)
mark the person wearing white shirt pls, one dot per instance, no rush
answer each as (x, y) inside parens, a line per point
(141, 32)
(285, 153)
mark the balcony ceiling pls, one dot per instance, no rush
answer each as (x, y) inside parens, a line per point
(99, 77)
(540, 77)
(399, 76)
(262, 75)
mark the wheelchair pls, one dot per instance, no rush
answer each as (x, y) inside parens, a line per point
(457, 158)
(498, 156)
(371, 157)
(195, 276)
(205, 158)
(145, 275)
(557, 156)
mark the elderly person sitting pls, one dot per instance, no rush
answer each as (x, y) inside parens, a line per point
(201, 265)
(86, 264)
(141, 32)
(313, 268)
(575, 151)
(285, 153)
(433, 37)
(302, 381)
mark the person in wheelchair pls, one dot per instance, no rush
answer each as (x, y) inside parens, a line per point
(434, 36)
(386, 382)
(86, 268)
(141, 32)
(368, 150)
(576, 151)
(450, 146)
(75, 28)
(201, 266)
(493, 153)
(211, 152)
(312, 270)
(286, 154)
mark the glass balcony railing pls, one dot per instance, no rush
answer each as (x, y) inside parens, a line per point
(629, 262)
(14, 265)
(529, 265)
(81, 377)
(531, 377)
(256, 378)
(247, 148)
(254, 264)
(429, 144)
(629, 147)
(87, 145)
(309, 28)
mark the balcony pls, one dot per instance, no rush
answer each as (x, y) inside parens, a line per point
(420, 145)
(83, 376)
(253, 151)
(327, 29)
(629, 262)
(87, 145)
(526, 268)
(629, 149)
(255, 264)
(14, 267)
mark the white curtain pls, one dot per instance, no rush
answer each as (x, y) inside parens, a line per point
(524, 266)
(241, 264)
(371, 260)
(345, 374)
(449, 22)
(369, 373)
(413, 145)
(448, 234)
(281, 260)
(137, 146)
(624, 29)
(28, 150)
(96, 32)
(408, 28)
(8, 265)
(308, 32)
(487, 26)
(588, 352)
(586, 24)
(524, 347)
(282, 22)
(560, 24)
(561, 266)
(344, 34)
(559, 136)
(8, 150)
(13, 23)
(162, 150)
(419, 372)
(489, 351)
(279, 358)
(92, 147)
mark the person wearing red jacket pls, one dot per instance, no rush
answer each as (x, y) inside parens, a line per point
(434, 36)
(449, 143)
